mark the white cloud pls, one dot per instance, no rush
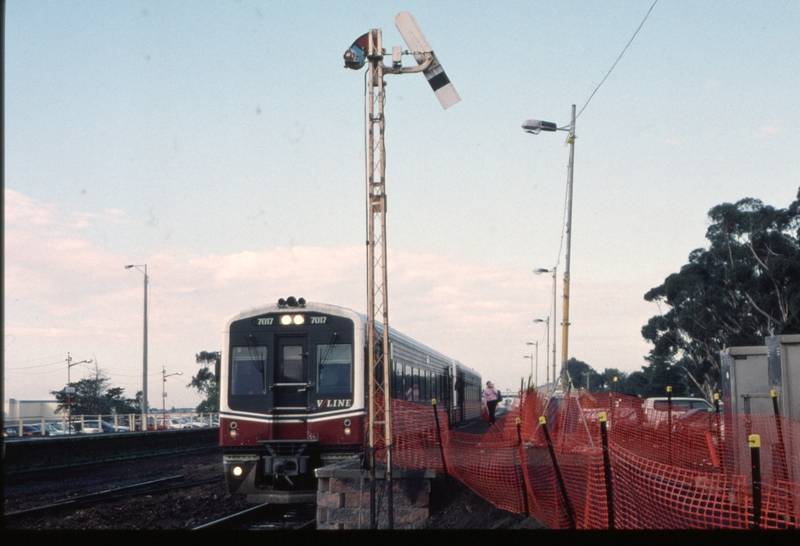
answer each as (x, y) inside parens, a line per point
(63, 293)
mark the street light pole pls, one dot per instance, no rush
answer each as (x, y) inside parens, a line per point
(535, 126)
(145, 405)
(547, 329)
(565, 313)
(164, 376)
(554, 272)
(534, 366)
(70, 390)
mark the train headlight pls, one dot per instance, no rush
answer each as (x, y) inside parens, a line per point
(287, 320)
(234, 433)
(237, 471)
(347, 427)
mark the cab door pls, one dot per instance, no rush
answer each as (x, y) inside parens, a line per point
(292, 388)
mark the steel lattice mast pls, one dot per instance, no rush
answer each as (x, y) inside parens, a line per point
(379, 350)
(380, 415)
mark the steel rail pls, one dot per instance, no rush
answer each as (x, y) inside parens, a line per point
(232, 517)
(112, 494)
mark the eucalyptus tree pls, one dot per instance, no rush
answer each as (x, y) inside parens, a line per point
(206, 381)
(743, 287)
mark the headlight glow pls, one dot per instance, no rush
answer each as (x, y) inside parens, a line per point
(299, 319)
(237, 471)
(286, 320)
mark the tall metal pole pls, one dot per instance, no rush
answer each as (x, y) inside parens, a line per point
(555, 269)
(69, 395)
(164, 396)
(547, 352)
(70, 389)
(380, 423)
(164, 376)
(553, 309)
(145, 406)
(565, 315)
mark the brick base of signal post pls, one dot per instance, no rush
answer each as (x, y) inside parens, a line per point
(343, 497)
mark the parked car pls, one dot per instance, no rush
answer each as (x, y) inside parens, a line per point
(173, 423)
(10, 431)
(96, 427)
(58, 429)
(151, 424)
(657, 409)
(36, 430)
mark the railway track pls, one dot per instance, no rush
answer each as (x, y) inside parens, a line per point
(142, 488)
(265, 517)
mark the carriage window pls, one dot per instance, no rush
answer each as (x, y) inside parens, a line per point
(292, 371)
(397, 379)
(333, 371)
(247, 370)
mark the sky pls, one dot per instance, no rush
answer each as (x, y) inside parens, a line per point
(222, 143)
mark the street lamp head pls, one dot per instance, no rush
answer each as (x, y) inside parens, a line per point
(536, 126)
(128, 266)
(530, 343)
(541, 270)
(546, 320)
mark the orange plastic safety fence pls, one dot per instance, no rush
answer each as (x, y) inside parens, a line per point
(669, 468)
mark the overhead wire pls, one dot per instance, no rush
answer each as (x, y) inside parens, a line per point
(566, 196)
(618, 58)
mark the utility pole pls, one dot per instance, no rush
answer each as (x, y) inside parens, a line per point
(565, 314)
(145, 406)
(70, 390)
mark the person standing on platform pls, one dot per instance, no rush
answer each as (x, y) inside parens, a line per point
(491, 398)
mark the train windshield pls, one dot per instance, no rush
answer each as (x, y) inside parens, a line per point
(334, 372)
(247, 370)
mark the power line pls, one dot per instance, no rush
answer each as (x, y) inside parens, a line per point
(59, 362)
(618, 58)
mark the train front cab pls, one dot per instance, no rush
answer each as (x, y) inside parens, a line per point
(292, 399)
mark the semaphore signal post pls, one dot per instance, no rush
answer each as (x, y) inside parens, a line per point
(368, 49)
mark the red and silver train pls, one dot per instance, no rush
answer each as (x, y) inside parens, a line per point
(293, 393)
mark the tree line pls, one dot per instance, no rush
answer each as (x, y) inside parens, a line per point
(96, 396)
